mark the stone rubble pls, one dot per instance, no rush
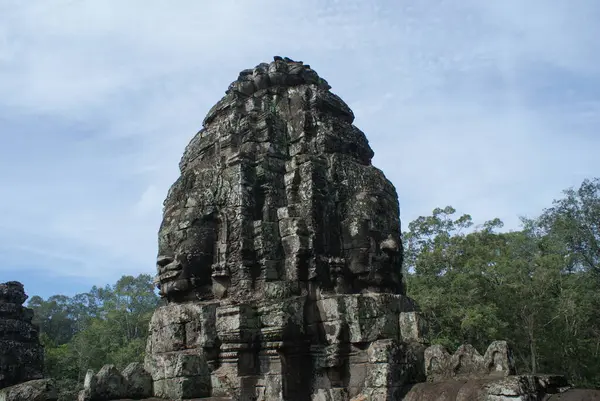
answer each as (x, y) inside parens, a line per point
(467, 363)
(134, 382)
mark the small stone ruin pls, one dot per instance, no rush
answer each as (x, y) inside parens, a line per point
(134, 382)
(467, 375)
(21, 355)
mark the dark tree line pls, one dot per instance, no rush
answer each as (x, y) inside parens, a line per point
(537, 287)
(86, 331)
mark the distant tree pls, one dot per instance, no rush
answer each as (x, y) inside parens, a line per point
(536, 287)
(105, 325)
(574, 221)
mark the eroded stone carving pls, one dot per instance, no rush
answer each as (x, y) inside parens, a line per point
(467, 363)
(277, 197)
(509, 388)
(134, 382)
(21, 354)
(280, 254)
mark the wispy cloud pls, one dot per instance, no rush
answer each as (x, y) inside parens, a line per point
(491, 107)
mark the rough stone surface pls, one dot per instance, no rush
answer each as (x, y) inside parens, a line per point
(21, 355)
(510, 388)
(110, 384)
(576, 395)
(33, 390)
(280, 254)
(138, 382)
(277, 198)
(467, 363)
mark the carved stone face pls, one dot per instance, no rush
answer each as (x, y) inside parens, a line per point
(187, 239)
(184, 267)
(373, 253)
(289, 148)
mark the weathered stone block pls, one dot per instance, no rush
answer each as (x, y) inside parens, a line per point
(33, 390)
(110, 384)
(236, 323)
(437, 362)
(176, 364)
(138, 382)
(183, 326)
(498, 359)
(279, 319)
(21, 355)
(413, 327)
(179, 388)
(12, 292)
(467, 363)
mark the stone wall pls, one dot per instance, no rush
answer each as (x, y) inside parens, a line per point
(467, 375)
(333, 348)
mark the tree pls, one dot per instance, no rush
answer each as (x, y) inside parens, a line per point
(105, 325)
(446, 267)
(55, 317)
(477, 285)
(574, 221)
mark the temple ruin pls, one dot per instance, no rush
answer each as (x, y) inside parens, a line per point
(280, 258)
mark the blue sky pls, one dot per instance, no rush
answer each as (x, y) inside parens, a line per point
(492, 107)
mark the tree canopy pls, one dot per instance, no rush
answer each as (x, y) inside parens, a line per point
(537, 287)
(105, 325)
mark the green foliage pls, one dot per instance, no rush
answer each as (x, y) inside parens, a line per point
(105, 325)
(574, 222)
(537, 287)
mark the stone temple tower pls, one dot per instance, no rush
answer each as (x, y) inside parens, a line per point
(280, 260)
(280, 254)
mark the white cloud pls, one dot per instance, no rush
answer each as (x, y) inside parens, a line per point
(482, 105)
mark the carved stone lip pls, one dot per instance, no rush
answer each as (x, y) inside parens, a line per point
(167, 267)
(168, 276)
(169, 270)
